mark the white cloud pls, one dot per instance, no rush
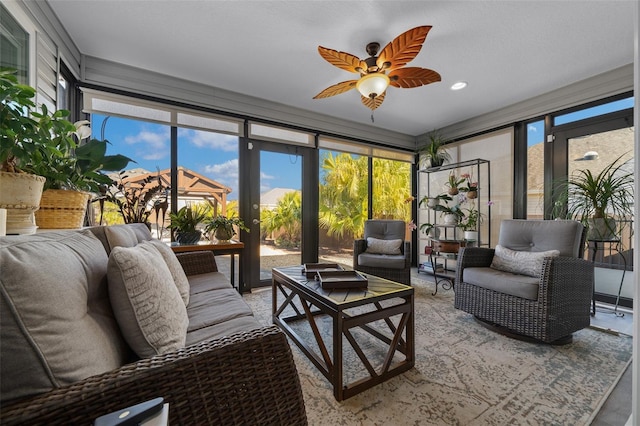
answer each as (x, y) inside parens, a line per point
(150, 145)
(202, 139)
(226, 173)
(151, 140)
(263, 175)
(532, 128)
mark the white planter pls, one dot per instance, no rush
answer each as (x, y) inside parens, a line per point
(450, 219)
(471, 235)
(433, 202)
(20, 195)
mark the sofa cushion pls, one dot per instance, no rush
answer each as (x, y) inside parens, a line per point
(126, 235)
(377, 246)
(209, 281)
(146, 301)
(57, 326)
(226, 328)
(215, 307)
(177, 273)
(520, 262)
(502, 282)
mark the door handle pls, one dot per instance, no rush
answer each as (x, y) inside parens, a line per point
(256, 221)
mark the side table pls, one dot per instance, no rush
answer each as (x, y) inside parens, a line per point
(614, 245)
(230, 247)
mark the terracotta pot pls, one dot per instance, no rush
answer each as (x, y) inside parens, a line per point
(472, 194)
(453, 191)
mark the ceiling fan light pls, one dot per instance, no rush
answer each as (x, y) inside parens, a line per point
(372, 84)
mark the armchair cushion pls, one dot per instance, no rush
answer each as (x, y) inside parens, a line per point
(520, 262)
(382, 260)
(146, 302)
(503, 282)
(377, 246)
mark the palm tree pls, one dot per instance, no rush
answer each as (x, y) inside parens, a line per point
(285, 218)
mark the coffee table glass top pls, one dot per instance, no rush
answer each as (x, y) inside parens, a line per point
(377, 288)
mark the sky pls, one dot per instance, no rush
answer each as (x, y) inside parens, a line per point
(213, 155)
(535, 130)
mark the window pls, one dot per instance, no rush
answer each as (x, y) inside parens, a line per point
(594, 111)
(14, 45)
(535, 170)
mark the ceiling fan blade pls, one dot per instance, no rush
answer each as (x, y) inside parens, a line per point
(409, 77)
(373, 103)
(342, 60)
(403, 48)
(336, 89)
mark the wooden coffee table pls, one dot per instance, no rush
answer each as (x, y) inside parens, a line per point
(385, 302)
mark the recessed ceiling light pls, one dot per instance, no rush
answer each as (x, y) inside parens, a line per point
(459, 85)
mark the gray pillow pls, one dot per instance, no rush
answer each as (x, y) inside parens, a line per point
(146, 301)
(177, 273)
(57, 323)
(376, 246)
(521, 262)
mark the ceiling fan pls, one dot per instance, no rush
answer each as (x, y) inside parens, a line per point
(374, 80)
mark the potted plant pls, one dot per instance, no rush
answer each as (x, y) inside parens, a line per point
(597, 200)
(136, 201)
(184, 223)
(222, 227)
(430, 230)
(27, 137)
(469, 224)
(434, 152)
(453, 183)
(452, 214)
(471, 188)
(431, 202)
(72, 177)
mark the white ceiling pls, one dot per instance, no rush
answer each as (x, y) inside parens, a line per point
(508, 51)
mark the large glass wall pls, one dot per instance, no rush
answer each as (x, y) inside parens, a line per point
(343, 204)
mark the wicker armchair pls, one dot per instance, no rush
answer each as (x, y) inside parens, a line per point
(558, 302)
(394, 267)
(246, 378)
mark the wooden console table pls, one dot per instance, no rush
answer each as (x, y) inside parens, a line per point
(231, 247)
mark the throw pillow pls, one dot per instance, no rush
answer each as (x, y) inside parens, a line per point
(521, 262)
(146, 303)
(376, 246)
(177, 273)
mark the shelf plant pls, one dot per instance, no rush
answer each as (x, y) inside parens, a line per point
(184, 224)
(434, 152)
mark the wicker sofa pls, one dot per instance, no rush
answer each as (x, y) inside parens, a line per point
(64, 359)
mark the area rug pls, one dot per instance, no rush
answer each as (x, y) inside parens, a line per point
(466, 374)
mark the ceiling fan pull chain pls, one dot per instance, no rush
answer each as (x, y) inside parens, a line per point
(372, 116)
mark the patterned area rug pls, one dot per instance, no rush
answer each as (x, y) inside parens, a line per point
(466, 374)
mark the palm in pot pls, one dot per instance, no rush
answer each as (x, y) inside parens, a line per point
(599, 201)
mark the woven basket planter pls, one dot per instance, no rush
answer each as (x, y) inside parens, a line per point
(62, 209)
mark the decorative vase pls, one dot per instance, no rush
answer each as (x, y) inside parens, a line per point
(224, 233)
(20, 195)
(472, 194)
(471, 235)
(191, 237)
(433, 202)
(602, 229)
(450, 219)
(453, 191)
